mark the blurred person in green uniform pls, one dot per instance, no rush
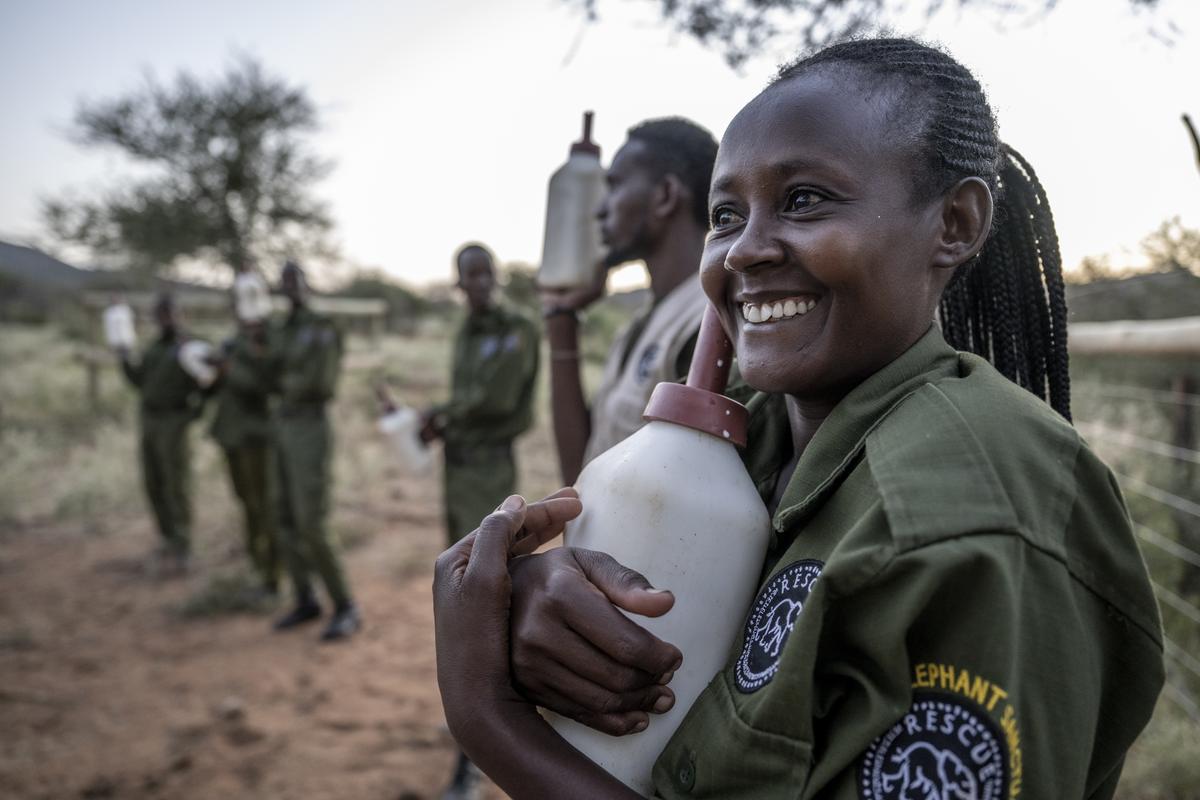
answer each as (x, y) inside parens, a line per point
(307, 355)
(242, 427)
(170, 400)
(491, 403)
(953, 603)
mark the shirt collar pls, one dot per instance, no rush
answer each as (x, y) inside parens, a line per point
(839, 440)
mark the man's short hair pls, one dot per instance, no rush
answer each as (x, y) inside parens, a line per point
(679, 147)
(473, 247)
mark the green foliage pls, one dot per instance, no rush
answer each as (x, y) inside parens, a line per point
(742, 29)
(229, 175)
(1173, 247)
(1164, 763)
(519, 288)
(404, 306)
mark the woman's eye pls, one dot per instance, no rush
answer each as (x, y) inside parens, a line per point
(723, 216)
(802, 200)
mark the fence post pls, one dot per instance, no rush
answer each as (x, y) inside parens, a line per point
(1184, 435)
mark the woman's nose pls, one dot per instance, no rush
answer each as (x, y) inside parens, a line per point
(756, 245)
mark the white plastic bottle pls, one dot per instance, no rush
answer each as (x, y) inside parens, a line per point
(571, 249)
(401, 425)
(118, 326)
(252, 298)
(675, 503)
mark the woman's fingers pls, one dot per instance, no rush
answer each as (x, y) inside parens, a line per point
(624, 587)
(545, 519)
(493, 540)
(571, 696)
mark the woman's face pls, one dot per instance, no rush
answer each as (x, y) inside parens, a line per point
(819, 259)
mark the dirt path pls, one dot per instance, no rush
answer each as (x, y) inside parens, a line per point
(106, 692)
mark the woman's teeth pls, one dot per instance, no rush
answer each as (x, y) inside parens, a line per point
(782, 309)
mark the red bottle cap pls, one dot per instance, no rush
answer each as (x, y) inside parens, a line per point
(699, 404)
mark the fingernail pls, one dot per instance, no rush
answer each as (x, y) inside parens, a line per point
(641, 726)
(513, 503)
(666, 678)
(664, 703)
(658, 591)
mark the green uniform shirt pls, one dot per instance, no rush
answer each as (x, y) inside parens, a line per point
(953, 605)
(492, 380)
(243, 402)
(163, 384)
(308, 357)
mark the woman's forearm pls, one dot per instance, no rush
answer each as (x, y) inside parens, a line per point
(529, 760)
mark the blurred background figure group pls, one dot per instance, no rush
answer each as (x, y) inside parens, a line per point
(272, 384)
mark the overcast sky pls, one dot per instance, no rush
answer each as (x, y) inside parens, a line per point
(446, 117)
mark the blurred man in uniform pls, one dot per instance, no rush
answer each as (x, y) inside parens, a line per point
(656, 211)
(170, 400)
(308, 355)
(242, 427)
(491, 403)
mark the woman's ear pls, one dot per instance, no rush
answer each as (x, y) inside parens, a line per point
(966, 222)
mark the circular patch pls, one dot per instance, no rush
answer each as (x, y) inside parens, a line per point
(770, 622)
(645, 365)
(944, 748)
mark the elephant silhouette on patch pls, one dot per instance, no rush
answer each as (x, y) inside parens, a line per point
(924, 772)
(774, 630)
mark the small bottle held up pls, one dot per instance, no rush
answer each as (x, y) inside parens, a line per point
(118, 326)
(572, 250)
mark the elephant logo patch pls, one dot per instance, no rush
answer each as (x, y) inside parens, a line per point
(944, 748)
(770, 623)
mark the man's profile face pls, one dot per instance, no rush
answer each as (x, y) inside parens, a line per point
(477, 278)
(626, 227)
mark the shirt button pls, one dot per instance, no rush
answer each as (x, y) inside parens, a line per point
(685, 770)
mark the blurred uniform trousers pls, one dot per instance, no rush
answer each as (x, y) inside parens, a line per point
(170, 400)
(491, 402)
(242, 427)
(308, 353)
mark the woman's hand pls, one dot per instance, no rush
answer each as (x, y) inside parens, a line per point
(471, 597)
(574, 653)
(496, 727)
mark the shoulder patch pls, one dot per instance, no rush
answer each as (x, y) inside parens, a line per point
(945, 747)
(932, 473)
(645, 364)
(488, 346)
(772, 618)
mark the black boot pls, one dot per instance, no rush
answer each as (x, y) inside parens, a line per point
(465, 784)
(306, 610)
(346, 621)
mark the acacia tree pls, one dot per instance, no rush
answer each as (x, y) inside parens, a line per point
(743, 28)
(228, 174)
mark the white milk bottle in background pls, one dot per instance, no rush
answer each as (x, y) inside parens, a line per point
(402, 427)
(118, 327)
(571, 250)
(675, 503)
(251, 297)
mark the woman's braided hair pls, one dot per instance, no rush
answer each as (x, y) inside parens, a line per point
(1007, 304)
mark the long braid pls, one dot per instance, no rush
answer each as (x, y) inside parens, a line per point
(1008, 304)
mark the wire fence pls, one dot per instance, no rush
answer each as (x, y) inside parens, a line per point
(1169, 557)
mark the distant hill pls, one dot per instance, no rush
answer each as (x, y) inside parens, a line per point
(34, 284)
(35, 269)
(1155, 295)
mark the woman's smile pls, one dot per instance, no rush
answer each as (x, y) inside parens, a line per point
(770, 311)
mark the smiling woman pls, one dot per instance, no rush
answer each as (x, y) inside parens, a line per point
(952, 575)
